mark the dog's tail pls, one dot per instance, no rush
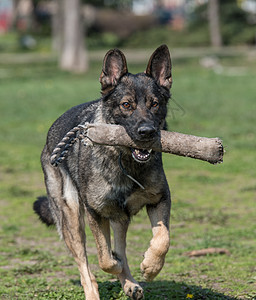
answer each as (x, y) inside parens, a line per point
(41, 207)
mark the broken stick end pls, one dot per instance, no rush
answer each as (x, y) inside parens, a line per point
(219, 153)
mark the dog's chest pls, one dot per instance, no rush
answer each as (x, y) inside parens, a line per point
(111, 193)
(122, 201)
(140, 198)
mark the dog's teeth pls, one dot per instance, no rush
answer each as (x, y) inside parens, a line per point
(141, 155)
(150, 150)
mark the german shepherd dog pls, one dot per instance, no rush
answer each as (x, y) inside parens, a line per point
(112, 184)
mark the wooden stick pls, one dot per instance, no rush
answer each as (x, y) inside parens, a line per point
(204, 252)
(206, 149)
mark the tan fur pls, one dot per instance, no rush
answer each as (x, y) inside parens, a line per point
(71, 227)
(101, 232)
(155, 255)
(128, 283)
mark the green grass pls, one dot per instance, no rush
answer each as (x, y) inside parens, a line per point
(213, 206)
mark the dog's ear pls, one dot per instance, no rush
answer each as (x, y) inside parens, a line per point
(160, 67)
(114, 67)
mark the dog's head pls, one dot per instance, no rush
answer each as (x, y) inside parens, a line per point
(137, 102)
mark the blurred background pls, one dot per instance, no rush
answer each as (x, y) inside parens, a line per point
(51, 55)
(53, 26)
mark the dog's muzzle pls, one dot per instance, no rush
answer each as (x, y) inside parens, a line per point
(146, 132)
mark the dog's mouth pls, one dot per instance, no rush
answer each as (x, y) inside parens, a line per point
(141, 155)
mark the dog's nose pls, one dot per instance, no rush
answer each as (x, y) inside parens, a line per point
(146, 130)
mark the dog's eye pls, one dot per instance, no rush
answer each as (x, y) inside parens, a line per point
(154, 104)
(126, 105)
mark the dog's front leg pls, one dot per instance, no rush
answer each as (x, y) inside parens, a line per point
(100, 228)
(129, 284)
(155, 255)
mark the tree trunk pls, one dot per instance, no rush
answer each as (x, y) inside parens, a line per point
(214, 23)
(73, 56)
(57, 25)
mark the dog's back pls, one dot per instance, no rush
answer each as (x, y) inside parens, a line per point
(76, 115)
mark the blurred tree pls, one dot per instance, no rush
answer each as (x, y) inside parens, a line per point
(235, 25)
(214, 23)
(68, 28)
(56, 25)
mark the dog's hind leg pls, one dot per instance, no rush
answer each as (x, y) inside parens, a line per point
(100, 228)
(69, 218)
(130, 286)
(74, 236)
(154, 257)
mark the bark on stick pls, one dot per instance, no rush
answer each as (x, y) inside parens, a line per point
(206, 149)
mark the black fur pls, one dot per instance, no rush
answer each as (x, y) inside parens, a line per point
(41, 207)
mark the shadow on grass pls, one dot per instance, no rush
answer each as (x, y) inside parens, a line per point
(162, 290)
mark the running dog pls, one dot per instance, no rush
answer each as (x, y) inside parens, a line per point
(111, 184)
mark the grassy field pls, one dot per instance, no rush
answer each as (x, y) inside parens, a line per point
(213, 206)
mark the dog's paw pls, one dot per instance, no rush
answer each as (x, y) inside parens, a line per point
(133, 290)
(151, 265)
(113, 265)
